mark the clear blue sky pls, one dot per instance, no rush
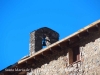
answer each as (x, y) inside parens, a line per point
(19, 17)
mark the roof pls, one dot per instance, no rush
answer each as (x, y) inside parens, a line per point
(67, 38)
(59, 43)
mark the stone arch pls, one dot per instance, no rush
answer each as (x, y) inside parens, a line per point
(45, 34)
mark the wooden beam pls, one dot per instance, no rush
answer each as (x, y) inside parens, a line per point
(98, 24)
(21, 65)
(39, 56)
(45, 53)
(84, 34)
(93, 29)
(74, 39)
(56, 48)
(74, 44)
(64, 44)
(30, 61)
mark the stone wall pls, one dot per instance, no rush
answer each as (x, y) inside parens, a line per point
(56, 63)
(35, 42)
(89, 63)
(41, 35)
(74, 69)
(90, 54)
(53, 64)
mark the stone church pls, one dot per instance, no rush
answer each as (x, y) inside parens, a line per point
(77, 54)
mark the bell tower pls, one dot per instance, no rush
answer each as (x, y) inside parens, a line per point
(42, 37)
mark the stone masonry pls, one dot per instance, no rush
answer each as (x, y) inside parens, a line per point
(45, 35)
(77, 54)
(57, 62)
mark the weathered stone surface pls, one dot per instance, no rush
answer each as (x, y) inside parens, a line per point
(57, 63)
(45, 35)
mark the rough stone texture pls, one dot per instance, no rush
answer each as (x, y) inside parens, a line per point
(35, 42)
(90, 54)
(37, 37)
(74, 69)
(53, 64)
(57, 63)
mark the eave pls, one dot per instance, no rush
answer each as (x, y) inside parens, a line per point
(66, 42)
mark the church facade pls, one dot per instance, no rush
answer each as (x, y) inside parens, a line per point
(77, 54)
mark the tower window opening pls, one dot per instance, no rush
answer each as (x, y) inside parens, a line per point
(43, 43)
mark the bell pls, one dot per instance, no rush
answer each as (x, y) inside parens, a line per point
(44, 44)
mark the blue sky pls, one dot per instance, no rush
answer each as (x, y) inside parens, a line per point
(19, 17)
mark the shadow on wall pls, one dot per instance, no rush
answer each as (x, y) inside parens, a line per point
(92, 36)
